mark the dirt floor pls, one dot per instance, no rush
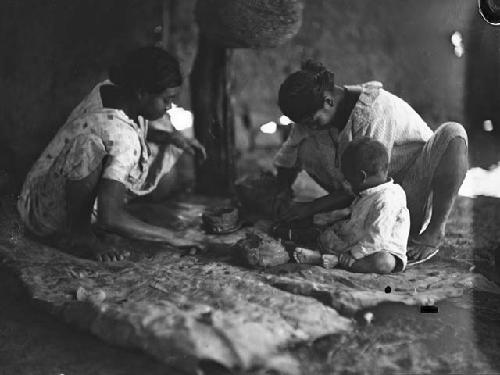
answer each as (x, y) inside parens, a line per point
(454, 340)
(463, 337)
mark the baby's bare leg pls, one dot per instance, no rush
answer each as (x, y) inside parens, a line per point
(381, 262)
(330, 242)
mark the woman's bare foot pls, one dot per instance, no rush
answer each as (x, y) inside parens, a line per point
(427, 243)
(307, 256)
(330, 261)
(90, 247)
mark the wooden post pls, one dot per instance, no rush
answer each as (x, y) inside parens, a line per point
(166, 23)
(213, 119)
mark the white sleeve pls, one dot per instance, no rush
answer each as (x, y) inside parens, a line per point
(391, 121)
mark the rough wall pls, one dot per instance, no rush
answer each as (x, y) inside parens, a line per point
(405, 44)
(483, 75)
(53, 52)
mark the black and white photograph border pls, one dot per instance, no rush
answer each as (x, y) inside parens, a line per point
(249, 187)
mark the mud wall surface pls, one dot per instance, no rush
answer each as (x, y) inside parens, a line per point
(406, 45)
(53, 52)
(482, 78)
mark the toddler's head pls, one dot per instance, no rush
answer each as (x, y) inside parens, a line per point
(365, 164)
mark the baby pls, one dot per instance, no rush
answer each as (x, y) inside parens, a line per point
(374, 238)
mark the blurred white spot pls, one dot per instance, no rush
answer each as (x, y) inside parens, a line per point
(456, 38)
(181, 118)
(458, 42)
(269, 127)
(479, 181)
(284, 120)
(488, 125)
(368, 317)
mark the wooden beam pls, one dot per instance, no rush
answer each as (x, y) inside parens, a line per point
(213, 117)
(166, 23)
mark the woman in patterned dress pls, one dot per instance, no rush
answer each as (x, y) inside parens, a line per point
(100, 155)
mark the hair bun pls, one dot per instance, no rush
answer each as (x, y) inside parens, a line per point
(322, 77)
(147, 68)
(314, 67)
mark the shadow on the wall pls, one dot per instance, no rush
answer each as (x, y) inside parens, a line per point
(482, 93)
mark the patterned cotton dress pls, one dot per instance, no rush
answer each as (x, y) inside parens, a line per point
(91, 136)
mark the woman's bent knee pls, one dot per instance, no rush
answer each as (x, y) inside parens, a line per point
(451, 131)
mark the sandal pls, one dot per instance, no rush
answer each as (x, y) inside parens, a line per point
(433, 250)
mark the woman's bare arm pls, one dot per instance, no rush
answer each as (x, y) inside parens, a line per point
(112, 216)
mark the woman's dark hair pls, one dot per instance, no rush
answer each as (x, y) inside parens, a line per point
(366, 154)
(148, 68)
(301, 94)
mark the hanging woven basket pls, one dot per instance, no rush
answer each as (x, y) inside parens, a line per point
(249, 23)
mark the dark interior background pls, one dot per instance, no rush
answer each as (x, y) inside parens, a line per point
(54, 51)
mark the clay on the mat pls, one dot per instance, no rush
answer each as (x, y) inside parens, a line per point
(260, 250)
(220, 219)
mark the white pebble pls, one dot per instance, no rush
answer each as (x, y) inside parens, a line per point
(96, 296)
(368, 317)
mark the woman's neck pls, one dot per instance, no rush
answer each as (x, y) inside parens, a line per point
(375, 180)
(114, 97)
(340, 116)
(338, 94)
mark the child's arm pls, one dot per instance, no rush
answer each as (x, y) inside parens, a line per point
(330, 202)
(332, 217)
(336, 201)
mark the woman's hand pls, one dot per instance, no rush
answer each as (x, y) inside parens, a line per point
(190, 145)
(115, 218)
